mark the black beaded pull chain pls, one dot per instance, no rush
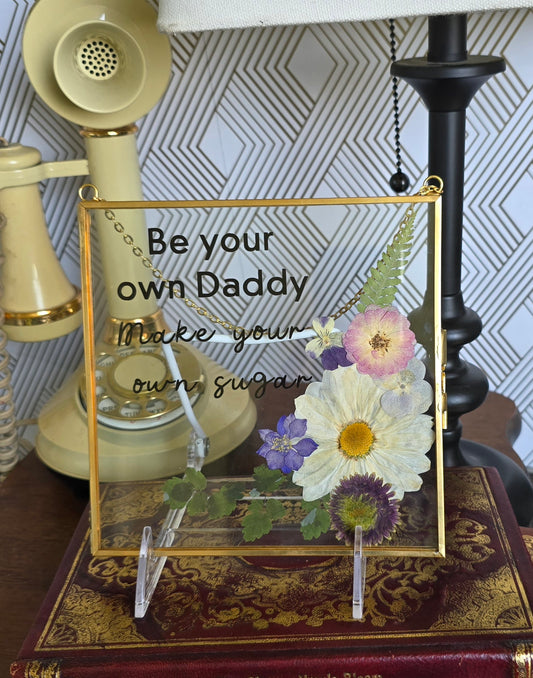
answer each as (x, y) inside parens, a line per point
(399, 181)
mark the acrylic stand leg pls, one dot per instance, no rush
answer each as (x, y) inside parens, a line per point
(151, 566)
(359, 574)
(145, 581)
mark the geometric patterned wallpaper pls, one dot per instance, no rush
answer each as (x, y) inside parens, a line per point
(307, 111)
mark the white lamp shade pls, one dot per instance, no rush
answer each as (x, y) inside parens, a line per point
(177, 16)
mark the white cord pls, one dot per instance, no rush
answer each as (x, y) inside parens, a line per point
(182, 391)
(230, 339)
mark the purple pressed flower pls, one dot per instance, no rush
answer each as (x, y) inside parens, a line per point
(334, 357)
(286, 447)
(364, 500)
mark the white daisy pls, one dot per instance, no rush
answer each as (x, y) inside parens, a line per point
(355, 435)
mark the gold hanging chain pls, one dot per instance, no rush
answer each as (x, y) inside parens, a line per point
(426, 189)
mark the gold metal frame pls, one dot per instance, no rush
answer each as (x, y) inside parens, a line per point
(86, 206)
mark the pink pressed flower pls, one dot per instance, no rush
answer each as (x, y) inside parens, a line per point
(379, 341)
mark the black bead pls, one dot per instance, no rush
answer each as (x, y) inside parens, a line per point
(399, 182)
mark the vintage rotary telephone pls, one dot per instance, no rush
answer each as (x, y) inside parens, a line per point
(103, 65)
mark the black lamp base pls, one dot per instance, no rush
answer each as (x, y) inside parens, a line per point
(515, 479)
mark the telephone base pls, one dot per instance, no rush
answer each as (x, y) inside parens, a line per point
(140, 454)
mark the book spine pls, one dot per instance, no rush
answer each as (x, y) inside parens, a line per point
(496, 662)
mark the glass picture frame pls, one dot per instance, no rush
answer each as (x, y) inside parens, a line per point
(247, 299)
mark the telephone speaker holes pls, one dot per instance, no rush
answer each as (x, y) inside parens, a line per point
(98, 58)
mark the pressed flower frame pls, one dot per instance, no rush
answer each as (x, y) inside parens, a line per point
(281, 445)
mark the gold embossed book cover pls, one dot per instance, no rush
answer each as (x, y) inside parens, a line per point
(469, 614)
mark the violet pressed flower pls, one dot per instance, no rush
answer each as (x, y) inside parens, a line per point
(286, 447)
(366, 501)
(334, 357)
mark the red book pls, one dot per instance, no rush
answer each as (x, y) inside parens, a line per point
(469, 614)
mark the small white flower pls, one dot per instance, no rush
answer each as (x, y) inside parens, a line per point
(326, 337)
(406, 392)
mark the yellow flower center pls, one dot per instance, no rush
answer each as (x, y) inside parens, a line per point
(282, 444)
(356, 439)
(380, 343)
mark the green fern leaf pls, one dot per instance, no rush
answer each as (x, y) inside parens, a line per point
(382, 284)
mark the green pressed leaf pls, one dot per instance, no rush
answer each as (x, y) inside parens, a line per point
(315, 523)
(316, 503)
(256, 523)
(275, 509)
(223, 502)
(233, 491)
(197, 504)
(267, 480)
(308, 506)
(195, 478)
(219, 506)
(168, 485)
(381, 287)
(259, 518)
(178, 491)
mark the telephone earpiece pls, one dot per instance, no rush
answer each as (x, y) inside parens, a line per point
(100, 65)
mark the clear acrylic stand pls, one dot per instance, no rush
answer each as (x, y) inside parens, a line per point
(151, 566)
(359, 574)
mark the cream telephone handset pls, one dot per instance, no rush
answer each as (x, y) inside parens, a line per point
(104, 66)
